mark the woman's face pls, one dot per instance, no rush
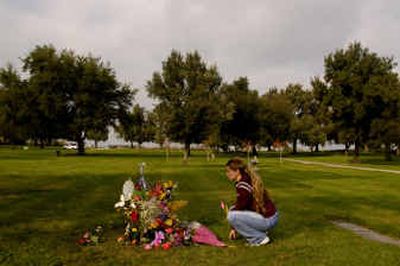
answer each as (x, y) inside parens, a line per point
(232, 175)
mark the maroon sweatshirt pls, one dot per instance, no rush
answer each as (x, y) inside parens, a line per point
(246, 201)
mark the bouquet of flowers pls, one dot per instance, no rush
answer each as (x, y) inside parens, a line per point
(149, 215)
(92, 237)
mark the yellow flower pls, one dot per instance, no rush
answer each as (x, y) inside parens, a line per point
(168, 222)
(168, 184)
(154, 224)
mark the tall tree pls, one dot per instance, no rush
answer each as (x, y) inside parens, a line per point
(300, 100)
(14, 108)
(49, 95)
(187, 89)
(275, 118)
(351, 75)
(100, 134)
(137, 126)
(384, 100)
(244, 127)
(72, 95)
(159, 119)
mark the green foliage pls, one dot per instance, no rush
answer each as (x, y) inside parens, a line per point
(137, 126)
(13, 107)
(244, 127)
(275, 117)
(300, 100)
(158, 119)
(64, 96)
(359, 84)
(187, 90)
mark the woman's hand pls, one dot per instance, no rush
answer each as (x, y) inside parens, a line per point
(232, 234)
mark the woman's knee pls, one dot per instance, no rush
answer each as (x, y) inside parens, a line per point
(231, 217)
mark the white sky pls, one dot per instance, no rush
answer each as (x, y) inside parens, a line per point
(271, 42)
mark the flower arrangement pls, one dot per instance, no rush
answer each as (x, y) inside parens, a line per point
(149, 215)
(92, 237)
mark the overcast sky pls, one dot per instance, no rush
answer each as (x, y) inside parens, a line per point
(271, 42)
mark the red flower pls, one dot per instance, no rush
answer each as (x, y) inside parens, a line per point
(166, 246)
(159, 221)
(157, 190)
(169, 230)
(134, 216)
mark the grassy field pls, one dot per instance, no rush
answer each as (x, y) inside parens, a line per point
(371, 160)
(47, 202)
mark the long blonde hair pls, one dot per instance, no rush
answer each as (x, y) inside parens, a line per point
(257, 183)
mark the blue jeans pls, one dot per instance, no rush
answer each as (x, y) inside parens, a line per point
(252, 225)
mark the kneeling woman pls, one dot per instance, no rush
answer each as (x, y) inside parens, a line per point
(253, 213)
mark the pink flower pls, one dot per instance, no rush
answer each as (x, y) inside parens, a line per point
(147, 247)
(222, 205)
(203, 235)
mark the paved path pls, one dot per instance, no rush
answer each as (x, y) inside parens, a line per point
(367, 233)
(343, 166)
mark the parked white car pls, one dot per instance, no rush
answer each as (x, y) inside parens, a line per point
(71, 146)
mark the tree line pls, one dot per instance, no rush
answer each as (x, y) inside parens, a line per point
(64, 95)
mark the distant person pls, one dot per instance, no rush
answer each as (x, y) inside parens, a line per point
(253, 214)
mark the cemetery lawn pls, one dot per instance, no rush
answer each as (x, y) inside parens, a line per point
(47, 202)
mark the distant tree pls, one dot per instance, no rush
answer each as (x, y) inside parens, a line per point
(132, 126)
(158, 120)
(317, 125)
(385, 101)
(275, 118)
(187, 89)
(97, 135)
(244, 125)
(72, 95)
(357, 82)
(14, 109)
(300, 100)
(47, 86)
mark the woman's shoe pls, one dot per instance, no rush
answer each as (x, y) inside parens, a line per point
(265, 241)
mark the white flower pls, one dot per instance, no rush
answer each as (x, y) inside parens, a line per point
(119, 204)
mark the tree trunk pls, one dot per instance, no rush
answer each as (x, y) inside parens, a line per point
(95, 144)
(356, 149)
(294, 151)
(81, 146)
(346, 148)
(41, 143)
(269, 147)
(186, 153)
(131, 144)
(388, 152)
(317, 147)
(254, 151)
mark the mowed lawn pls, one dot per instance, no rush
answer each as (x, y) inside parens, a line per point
(47, 202)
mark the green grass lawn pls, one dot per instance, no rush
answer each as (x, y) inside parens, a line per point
(371, 160)
(47, 202)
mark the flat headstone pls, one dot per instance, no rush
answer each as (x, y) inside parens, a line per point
(367, 233)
